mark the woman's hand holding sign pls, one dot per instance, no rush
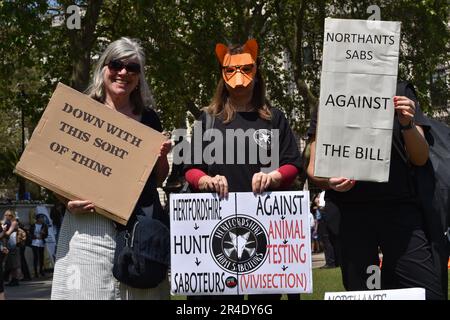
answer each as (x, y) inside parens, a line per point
(261, 181)
(80, 206)
(217, 184)
(165, 148)
(341, 184)
(415, 144)
(405, 109)
(162, 166)
(76, 206)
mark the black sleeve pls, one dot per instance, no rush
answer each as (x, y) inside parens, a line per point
(151, 119)
(194, 148)
(289, 153)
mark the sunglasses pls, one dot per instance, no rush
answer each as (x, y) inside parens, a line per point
(246, 68)
(117, 65)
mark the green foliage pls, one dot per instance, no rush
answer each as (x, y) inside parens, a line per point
(179, 39)
(8, 160)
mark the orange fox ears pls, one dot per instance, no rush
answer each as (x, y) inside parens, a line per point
(250, 47)
(221, 51)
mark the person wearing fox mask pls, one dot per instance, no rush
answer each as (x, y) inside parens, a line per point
(240, 107)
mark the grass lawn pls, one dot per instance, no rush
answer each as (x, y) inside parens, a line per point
(324, 280)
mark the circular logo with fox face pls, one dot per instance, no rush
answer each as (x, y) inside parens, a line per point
(263, 138)
(239, 244)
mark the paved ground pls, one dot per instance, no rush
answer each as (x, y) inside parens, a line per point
(39, 289)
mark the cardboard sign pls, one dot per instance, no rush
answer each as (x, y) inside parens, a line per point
(81, 149)
(356, 109)
(246, 244)
(396, 294)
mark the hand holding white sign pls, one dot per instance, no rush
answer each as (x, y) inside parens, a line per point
(217, 184)
(341, 184)
(263, 181)
(405, 109)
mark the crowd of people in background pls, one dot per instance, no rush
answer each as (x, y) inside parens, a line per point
(16, 239)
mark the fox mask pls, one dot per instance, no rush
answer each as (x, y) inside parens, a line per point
(238, 69)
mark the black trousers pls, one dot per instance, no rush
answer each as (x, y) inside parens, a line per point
(325, 238)
(38, 259)
(2, 258)
(24, 264)
(397, 228)
(332, 218)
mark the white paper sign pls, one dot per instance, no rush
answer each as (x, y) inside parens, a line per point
(246, 244)
(397, 294)
(356, 111)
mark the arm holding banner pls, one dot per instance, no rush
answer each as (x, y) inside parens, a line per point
(80, 206)
(76, 206)
(162, 165)
(280, 178)
(263, 181)
(260, 182)
(415, 143)
(217, 184)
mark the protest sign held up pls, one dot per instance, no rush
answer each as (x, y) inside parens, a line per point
(84, 150)
(246, 244)
(356, 112)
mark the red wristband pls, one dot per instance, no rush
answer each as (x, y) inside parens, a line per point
(288, 174)
(193, 176)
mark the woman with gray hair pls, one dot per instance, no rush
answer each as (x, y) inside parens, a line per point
(87, 241)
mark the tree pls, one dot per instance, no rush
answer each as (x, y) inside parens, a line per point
(81, 41)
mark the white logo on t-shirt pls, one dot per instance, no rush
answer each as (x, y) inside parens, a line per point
(263, 138)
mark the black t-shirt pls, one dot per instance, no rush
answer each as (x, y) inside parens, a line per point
(399, 187)
(242, 160)
(149, 194)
